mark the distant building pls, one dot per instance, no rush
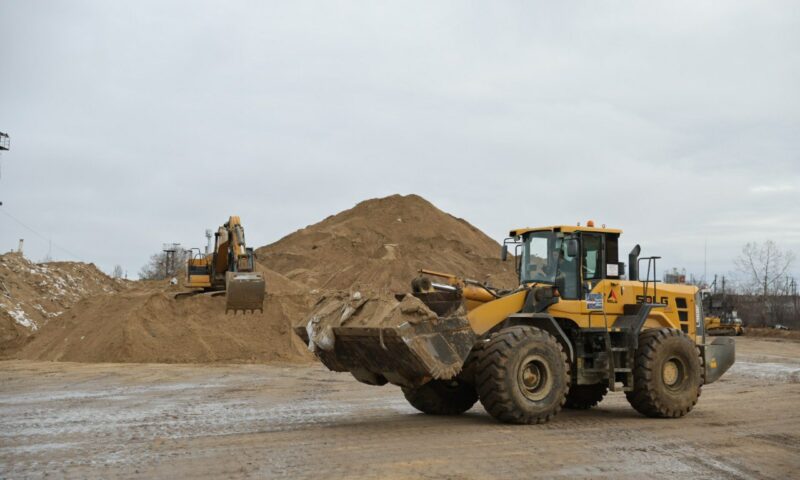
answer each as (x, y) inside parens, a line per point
(675, 276)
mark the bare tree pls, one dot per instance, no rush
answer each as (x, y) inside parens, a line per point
(117, 273)
(764, 269)
(160, 267)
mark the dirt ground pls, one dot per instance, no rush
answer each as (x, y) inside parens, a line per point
(301, 421)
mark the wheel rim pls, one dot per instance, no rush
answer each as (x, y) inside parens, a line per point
(534, 378)
(672, 373)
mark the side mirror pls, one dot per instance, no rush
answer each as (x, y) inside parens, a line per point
(504, 252)
(572, 247)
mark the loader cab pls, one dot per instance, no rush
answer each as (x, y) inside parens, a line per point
(572, 258)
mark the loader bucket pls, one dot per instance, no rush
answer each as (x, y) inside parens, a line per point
(244, 291)
(718, 356)
(402, 342)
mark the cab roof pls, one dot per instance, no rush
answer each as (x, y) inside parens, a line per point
(562, 228)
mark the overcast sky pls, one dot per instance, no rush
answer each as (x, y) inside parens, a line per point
(138, 123)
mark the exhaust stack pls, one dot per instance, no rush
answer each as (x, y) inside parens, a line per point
(633, 262)
(209, 244)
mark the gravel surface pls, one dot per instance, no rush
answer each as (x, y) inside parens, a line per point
(154, 420)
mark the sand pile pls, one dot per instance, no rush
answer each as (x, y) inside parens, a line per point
(33, 294)
(382, 243)
(369, 310)
(147, 324)
(342, 309)
(376, 246)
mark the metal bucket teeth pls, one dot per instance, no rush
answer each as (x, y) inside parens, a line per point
(244, 291)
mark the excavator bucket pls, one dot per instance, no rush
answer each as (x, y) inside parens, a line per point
(406, 340)
(244, 291)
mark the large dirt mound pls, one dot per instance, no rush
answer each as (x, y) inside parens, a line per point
(154, 327)
(33, 294)
(147, 324)
(377, 245)
(380, 244)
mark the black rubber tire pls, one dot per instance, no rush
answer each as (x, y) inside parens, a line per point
(582, 397)
(506, 358)
(469, 372)
(442, 397)
(651, 394)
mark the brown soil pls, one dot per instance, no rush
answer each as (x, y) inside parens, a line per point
(34, 294)
(147, 324)
(155, 327)
(771, 332)
(376, 246)
(382, 243)
(362, 310)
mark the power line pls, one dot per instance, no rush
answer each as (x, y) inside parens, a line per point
(47, 239)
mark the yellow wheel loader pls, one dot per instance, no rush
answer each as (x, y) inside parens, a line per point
(572, 330)
(229, 268)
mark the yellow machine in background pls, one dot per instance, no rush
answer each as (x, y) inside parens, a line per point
(721, 316)
(572, 330)
(230, 267)
(727, 324)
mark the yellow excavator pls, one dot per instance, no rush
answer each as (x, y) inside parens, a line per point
(574, 329)
(229, 268)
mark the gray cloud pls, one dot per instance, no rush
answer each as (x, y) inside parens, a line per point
(147, 122)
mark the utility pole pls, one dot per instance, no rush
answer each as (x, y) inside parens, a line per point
(169, 250)
(5, 145)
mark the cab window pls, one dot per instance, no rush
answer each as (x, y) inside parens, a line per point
(569, 281)
(592, 257)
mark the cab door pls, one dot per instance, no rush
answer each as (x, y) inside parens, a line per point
(602, 296)
(591, 274)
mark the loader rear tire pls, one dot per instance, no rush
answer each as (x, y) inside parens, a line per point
(523, 376)
(582, 397)
(667, 374)
(442, 397)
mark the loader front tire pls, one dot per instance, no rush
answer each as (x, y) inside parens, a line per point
(667, 374)
(582, 397)
(523, 376)
(442, 397)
